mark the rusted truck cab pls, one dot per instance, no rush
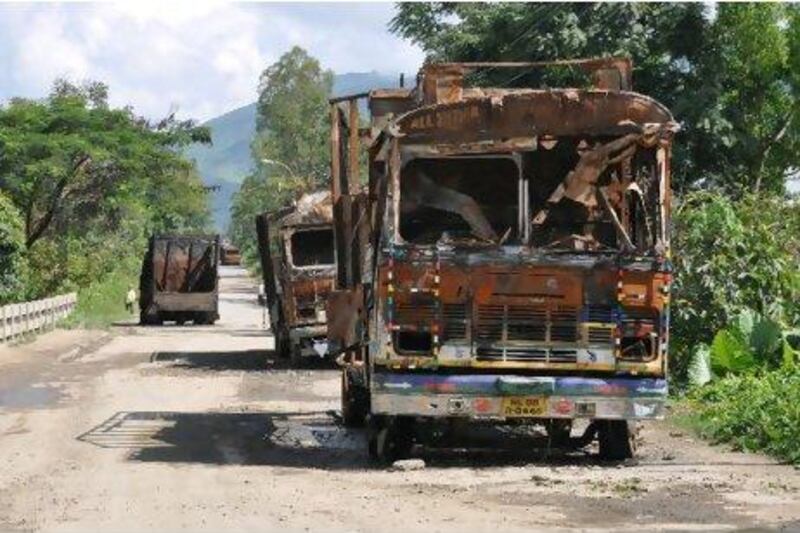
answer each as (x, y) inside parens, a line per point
(298, 264)
(230, 255)
(513, 258)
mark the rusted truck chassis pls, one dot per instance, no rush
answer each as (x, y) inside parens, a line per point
(298, 264)
(510, 261)
(179, 280)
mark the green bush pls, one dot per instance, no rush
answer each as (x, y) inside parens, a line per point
(731, 256)
(754, 412)
(102, 302)
(13, 267)
(751, 342)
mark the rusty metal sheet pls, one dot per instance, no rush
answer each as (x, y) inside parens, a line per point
(531, 113)
(311, 209)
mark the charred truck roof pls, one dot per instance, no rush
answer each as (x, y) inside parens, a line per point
(515, 230)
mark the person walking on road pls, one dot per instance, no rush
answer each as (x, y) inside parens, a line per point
(130, 299)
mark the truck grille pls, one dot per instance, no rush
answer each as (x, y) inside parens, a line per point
(415, 313)
(502, 323)
(527, 354)
(600, 335)
(504, 333)
(454, 322)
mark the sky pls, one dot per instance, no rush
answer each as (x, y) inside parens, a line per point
(197, 59)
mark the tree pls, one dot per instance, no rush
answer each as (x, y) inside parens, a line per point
(730, 74)
(759, 82)
(71, 161)
(731, 256)
(253, 197)
(91, 182)
(12, 249)
(291, 148)
(292, 122)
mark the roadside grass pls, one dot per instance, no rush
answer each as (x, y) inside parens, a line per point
(758, 412)
(102, 303)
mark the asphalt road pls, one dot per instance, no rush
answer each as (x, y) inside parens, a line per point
(170, 427)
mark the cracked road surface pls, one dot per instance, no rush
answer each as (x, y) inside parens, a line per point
(170, 427)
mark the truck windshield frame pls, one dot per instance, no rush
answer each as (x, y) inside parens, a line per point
(621, 211)
(291, 243)
(453, 193)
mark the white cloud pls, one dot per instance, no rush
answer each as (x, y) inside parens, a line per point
(204, 58)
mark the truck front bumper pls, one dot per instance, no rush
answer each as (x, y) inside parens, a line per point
(486, 396)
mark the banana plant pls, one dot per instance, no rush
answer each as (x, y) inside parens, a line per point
(749, 342)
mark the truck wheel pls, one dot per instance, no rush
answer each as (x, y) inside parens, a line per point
(558, 432)
(151, 319)
(355, 401)
(616, 440)
(391, 440)
(295, 355)
(204, 319)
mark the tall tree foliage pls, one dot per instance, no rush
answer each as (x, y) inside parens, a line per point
(730, 73)
(291, 148)
(91, 182)
(292, 121)
(12, 249)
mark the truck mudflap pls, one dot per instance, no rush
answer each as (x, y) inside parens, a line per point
(508, 396)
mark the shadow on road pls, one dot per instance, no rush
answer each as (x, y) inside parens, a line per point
(314, 440)
(307, 440)
(238, 360)
(233, 360)
(311, 440)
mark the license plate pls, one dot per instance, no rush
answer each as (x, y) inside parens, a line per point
(521, 406)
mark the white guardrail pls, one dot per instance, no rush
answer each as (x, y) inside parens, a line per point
(18, 319)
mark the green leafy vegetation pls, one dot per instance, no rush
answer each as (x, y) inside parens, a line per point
(737, 282)
(102, 302)
(736, 312)
(88, 184)
(753, 411)
(13, 268)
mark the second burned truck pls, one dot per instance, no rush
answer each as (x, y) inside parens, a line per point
(298, 263)
(510, 259)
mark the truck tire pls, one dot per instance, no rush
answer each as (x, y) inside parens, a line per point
(204, 319)
(391, 439)
(295, 355)
(355, 400)
(616, 440)
(281, 344)
(558, 432)
(149, 318)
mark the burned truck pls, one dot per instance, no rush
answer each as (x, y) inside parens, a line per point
(298, 265)
(179, 280)
(230, 255)
(510, 261)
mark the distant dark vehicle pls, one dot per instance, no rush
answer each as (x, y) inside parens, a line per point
(299, 265)
(230, 255)
(179, 280)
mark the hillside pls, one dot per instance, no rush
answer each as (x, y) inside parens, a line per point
(227, 161)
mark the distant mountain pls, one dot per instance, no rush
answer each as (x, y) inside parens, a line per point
(227, 161)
